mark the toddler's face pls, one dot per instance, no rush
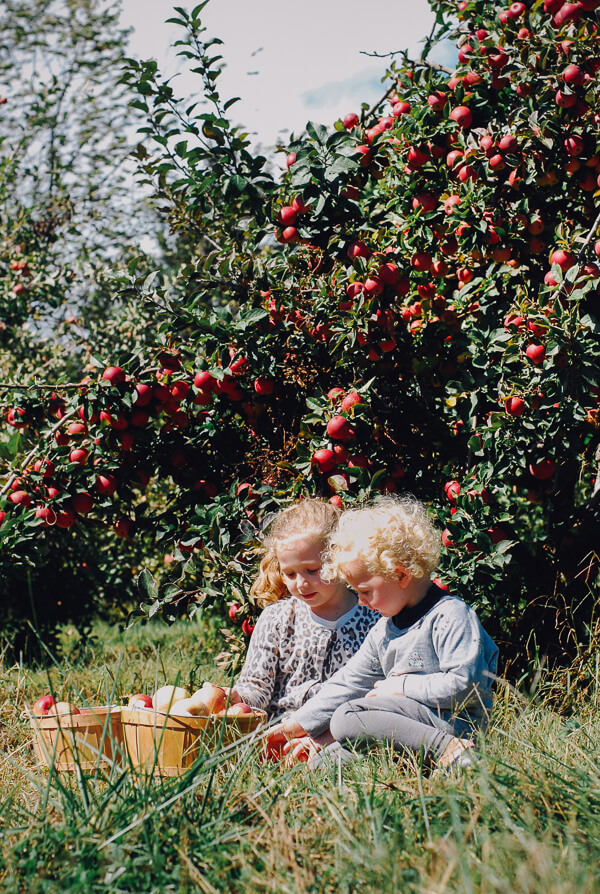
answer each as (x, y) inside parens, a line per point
(388, 596)
(300, 563)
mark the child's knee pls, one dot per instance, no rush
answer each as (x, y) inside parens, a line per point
(339, 727)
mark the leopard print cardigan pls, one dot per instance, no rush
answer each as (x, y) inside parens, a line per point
(291, 655)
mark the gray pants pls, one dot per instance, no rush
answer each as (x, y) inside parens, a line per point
(403, 722)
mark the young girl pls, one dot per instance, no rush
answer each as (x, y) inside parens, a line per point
(423, 677)
(310, 627)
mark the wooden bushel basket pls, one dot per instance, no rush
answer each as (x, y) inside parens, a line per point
(89, 740)
(168, 745)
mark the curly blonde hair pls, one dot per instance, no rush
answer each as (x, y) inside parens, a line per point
(312, 519)
(391, 532)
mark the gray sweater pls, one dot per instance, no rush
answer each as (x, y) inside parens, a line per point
(444, 660)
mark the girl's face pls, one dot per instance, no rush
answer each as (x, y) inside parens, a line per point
(300, 563)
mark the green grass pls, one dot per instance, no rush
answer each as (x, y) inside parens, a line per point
(527, 819)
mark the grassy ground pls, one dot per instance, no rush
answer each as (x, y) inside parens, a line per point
(527, 819)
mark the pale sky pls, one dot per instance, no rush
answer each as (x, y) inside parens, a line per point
(289, 63)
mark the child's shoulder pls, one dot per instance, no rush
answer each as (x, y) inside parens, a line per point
(282, 608)
(451, 611)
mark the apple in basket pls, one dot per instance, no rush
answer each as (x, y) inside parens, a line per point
(42, 705)
(238, 710)
(141, 700)
(214, 697)
(194, 706)
(64, 708)
(165, 697)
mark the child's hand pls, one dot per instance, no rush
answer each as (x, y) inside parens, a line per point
(283, 732)
(233, 697)
(304, 748)
(389, 686)
(300, 749)
(279, 736)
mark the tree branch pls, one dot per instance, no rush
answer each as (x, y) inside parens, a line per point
(33, 452)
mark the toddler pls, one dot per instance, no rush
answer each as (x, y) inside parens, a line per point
(310, 626)
(423, 677)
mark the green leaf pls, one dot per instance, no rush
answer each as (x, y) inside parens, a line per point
(147, 583)
(317, 132)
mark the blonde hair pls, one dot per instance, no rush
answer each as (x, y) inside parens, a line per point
(391, 532)
(311, 519)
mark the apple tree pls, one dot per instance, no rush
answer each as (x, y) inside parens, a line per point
(68, 218)
(412, 306)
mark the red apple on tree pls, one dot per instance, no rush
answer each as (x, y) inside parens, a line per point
(114, 374)
(536, 353)
(351, 400)
(462, 115)
(339, 429)
(543, 469)
(324, 459)
(514, 406)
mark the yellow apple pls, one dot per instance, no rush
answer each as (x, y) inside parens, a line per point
(64, 708)
(189, 707)
(166, 696)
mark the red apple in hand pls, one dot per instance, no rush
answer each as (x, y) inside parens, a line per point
(42, 705)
